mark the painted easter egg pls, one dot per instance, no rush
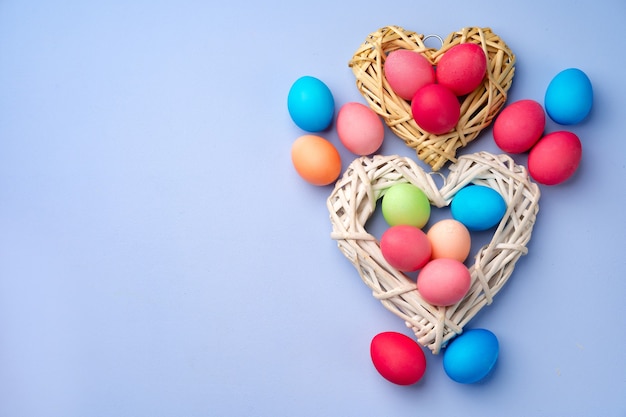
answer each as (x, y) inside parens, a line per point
(555, 158)
(311, 104)
(569, 97)
(316, 160)
(405, 247)
(359, 128)
(407, 71)
(398, 358)
(435, 109)
(519, 126)
(404, 203)
(478, 207)
(462, 68)
(444, 281)
(471, 356)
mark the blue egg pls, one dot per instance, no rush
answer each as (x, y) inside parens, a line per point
(471, 356)
(569, 97)
(478, 207)
(311, 104)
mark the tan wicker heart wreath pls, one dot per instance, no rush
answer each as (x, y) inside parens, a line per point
(354, 199)
(477, 108)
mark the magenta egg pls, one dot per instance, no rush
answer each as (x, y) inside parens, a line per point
(398, 358)
(555, 157)
(359, 128)
(462, 68)
(435, 109)
(519, 126)
(407, 71)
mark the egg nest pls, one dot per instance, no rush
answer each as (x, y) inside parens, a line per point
(353, 201)
(478, 108)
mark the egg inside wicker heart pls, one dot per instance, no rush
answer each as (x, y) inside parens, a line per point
(478, 108)
(353, 201)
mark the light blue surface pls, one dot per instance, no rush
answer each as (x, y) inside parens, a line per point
(160, 257)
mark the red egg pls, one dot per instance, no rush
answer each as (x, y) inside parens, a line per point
(519, 126)
(444, 281)
(405, 247)
(555, 157)
(462, 68)
(435, 109)
(407, 71)
(398, 358)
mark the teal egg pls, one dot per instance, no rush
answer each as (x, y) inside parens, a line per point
(478, 207)
(311, 104)
(569, 97)
(471, 356)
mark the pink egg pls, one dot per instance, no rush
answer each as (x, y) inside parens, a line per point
(555, 157)
(519, 126)
(405, 247)
(444, 281)
(462, 68)
(407, 71)
(360, 129)
(449, 238)
(435, 109)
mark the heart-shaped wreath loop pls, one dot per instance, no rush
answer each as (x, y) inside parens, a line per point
(354, 199)
(477, 108)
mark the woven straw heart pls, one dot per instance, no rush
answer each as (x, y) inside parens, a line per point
(477, 108)
(353, 201)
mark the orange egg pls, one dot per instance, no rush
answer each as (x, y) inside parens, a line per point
(449, 239)
(316, 160)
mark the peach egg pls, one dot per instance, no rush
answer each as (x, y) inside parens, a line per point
(449, 238)
(316, 160)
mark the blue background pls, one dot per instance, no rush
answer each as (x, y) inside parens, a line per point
(160, 257)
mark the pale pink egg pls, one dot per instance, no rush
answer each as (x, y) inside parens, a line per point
(407, 71)
(360, 129)
(444, 281)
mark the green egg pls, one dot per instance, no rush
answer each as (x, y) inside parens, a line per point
(405, 204)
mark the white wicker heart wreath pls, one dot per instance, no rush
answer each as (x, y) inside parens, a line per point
(353, 202)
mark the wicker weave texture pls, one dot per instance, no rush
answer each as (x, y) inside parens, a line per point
(477, 108)
(354, 200)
